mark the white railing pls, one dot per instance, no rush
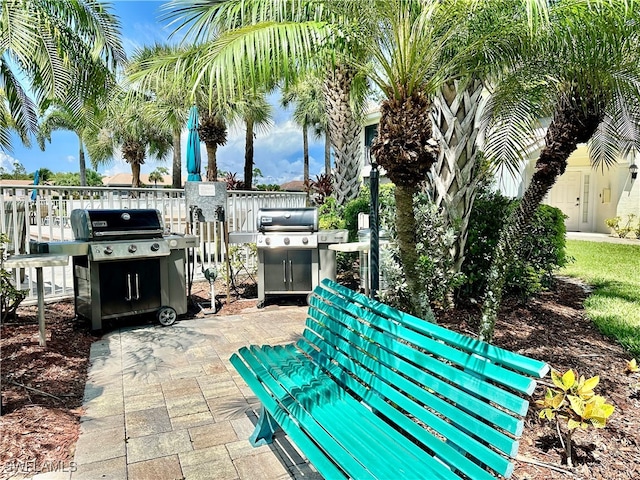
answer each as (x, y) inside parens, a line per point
(46, 219)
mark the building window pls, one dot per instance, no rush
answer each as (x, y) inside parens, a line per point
(585, 200)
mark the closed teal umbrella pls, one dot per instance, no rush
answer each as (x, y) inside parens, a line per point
(193, 147)
(36, 180)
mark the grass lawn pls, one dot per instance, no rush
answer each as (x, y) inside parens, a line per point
(614, 272)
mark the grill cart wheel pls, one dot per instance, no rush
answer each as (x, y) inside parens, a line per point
(166, 316)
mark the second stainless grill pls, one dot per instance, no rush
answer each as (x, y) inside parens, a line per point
(287, 245)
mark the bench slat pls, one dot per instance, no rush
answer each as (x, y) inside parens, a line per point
(349, 420)
(348, 430)
(303, 420)
(473, 383)
(521, 363)
(310, 448)
(448, 454)
(454, 434)
(472, 362)
(459, 408)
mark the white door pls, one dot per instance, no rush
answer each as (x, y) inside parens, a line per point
(565, 195)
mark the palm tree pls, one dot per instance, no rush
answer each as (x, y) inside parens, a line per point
(171, 96)
(63, 51)
(165, 72)
(287, 40)
(175, 64)
(126, 127)
(594, 76)
(158, 175)
(213, 132)
(309, 112)
(60, 117)
(255, 112)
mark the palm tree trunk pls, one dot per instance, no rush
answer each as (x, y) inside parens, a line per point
(176, 181)
(135, 175)
(327, 153)
(82, 162)
(453, 180)
(248, 156)
(305, 154)
(406, 231)
(212, 163)
(575, 121)
(404, 147)
(344, 131)
(305, 168)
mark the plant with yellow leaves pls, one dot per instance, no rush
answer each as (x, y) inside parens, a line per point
(575, 401)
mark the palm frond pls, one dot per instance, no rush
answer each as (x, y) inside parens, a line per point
(261, 55)
(512, 129)
(202, 22)
(20, 106)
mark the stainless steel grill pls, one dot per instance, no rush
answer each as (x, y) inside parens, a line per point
(292, 254)
(123, 265)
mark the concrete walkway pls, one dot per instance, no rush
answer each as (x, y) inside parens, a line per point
(601, 237)
(165, 403)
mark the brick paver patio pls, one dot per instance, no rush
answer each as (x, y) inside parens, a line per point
(165, 403)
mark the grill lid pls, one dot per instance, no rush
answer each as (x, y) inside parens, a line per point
(109, 224)
(287, 220)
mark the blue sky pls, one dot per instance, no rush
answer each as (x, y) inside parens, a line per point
(278, 152)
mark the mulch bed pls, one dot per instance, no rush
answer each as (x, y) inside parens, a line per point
(42, 389)
(552, 327)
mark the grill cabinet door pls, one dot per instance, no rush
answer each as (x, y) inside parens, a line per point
(275, 275)
(299, 267)
(287, 270)
(130, 286)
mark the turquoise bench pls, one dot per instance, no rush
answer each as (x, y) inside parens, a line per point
(371, 392)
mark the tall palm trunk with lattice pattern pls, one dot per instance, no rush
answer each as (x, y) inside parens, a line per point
(454, 178)
(344, 131)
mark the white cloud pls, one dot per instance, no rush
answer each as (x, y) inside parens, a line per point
(278, 153)
(6, 162)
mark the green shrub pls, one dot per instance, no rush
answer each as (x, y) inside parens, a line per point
(352, 209)
(434, 240)
(541, 252)
(330, 215)
(10, 296)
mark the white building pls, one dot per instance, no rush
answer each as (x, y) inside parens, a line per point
(588, 196)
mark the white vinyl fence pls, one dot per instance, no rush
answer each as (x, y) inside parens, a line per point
(46, 219)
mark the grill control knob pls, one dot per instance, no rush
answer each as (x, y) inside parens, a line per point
(267, 241)
(287, 241)
(132, 249)
(305, 240)
(155, 247)
(108, 250)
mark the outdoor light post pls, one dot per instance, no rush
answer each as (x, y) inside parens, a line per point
(374, 228)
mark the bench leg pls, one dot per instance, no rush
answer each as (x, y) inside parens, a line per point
(266, 427)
